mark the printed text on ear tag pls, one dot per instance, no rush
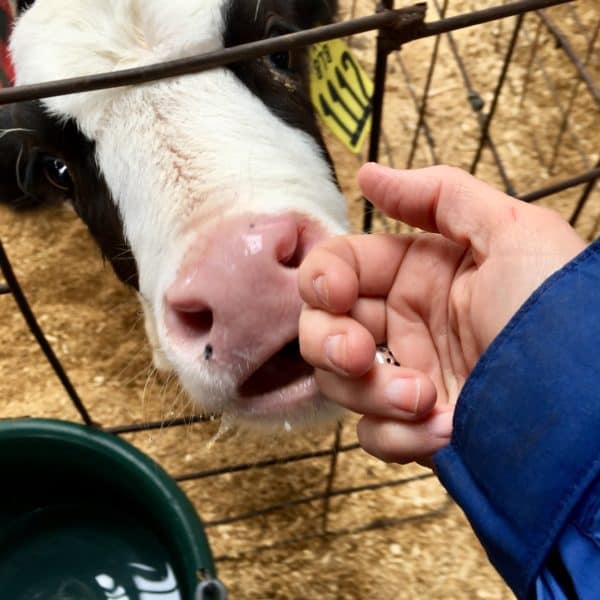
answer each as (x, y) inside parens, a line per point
(341, 92)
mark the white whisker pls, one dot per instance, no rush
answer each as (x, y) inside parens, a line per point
(4, 132)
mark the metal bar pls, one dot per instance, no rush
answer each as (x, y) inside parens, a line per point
(352, 15)
(425, 96)
(513, 90)
(478, 17)
(262, 464)
(210, 60)
(313, 497)
(551, 87)
(370, 526)
(564, 123)
(575, 16)
(406, 21)
(589, 176)
(524, 88)
(389, 151)
(382, 52)
(335, 449)
(37, 332)
(150, 425)
(564, 43)
(477, 105)
(585, 195)
(497, 91)
(530, 61)
(413, 95)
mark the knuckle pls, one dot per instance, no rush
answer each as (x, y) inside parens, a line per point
(553, 218)
(450, 173)
(380, 439)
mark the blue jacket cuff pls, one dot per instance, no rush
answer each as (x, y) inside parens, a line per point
(526, 440)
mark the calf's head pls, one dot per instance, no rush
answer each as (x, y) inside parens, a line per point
(204, 192)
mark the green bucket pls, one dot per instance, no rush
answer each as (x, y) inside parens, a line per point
(84, 515)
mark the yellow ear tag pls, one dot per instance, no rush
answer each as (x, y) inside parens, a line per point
(341, 92)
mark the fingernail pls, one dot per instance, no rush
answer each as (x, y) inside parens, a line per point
(321, 290)
(441, 424)
(404, 394)
(335, 350)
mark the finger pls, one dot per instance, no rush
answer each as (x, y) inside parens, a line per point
(395, 441)
(335, 343)
(439, 199)
(386, 391)
(329, 279)
(335, 273)
(371, 313)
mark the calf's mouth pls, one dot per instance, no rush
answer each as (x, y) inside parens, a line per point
(284, 368)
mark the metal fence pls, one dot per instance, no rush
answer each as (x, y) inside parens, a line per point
(396, 28)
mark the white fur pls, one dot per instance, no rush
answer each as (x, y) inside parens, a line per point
(178, 155)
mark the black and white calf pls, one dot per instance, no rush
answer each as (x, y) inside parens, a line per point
(204, 192)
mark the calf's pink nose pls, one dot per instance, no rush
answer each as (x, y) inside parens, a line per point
(235, 296)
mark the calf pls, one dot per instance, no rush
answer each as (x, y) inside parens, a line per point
(204, 192)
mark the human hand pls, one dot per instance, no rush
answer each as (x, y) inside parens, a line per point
(437, 299)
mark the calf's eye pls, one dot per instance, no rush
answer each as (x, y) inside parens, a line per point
(57, 173)
(281, 60)
(274, 27)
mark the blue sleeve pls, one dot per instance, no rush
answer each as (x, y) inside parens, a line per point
(524, 459)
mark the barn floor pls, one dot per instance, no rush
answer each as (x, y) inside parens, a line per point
(427, 550)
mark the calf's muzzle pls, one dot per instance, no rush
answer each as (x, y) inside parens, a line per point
(235, 300)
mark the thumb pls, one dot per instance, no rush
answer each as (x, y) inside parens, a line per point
(439, 199)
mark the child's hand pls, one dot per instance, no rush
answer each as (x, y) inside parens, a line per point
(437, 299)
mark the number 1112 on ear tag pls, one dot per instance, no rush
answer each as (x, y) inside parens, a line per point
(341, 92)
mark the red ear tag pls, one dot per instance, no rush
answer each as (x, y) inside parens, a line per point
(7, 74)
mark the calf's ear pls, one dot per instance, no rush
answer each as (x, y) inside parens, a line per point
(21, 183)
(316, 12)
(10, 147)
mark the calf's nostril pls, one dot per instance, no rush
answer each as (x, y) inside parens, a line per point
(194, 323)
(295, 252)
(293, 261)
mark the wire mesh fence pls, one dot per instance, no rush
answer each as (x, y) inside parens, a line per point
(558, 156)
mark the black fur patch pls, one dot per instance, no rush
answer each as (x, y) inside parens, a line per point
(284, 91)
(3, 26)
(91, 198)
